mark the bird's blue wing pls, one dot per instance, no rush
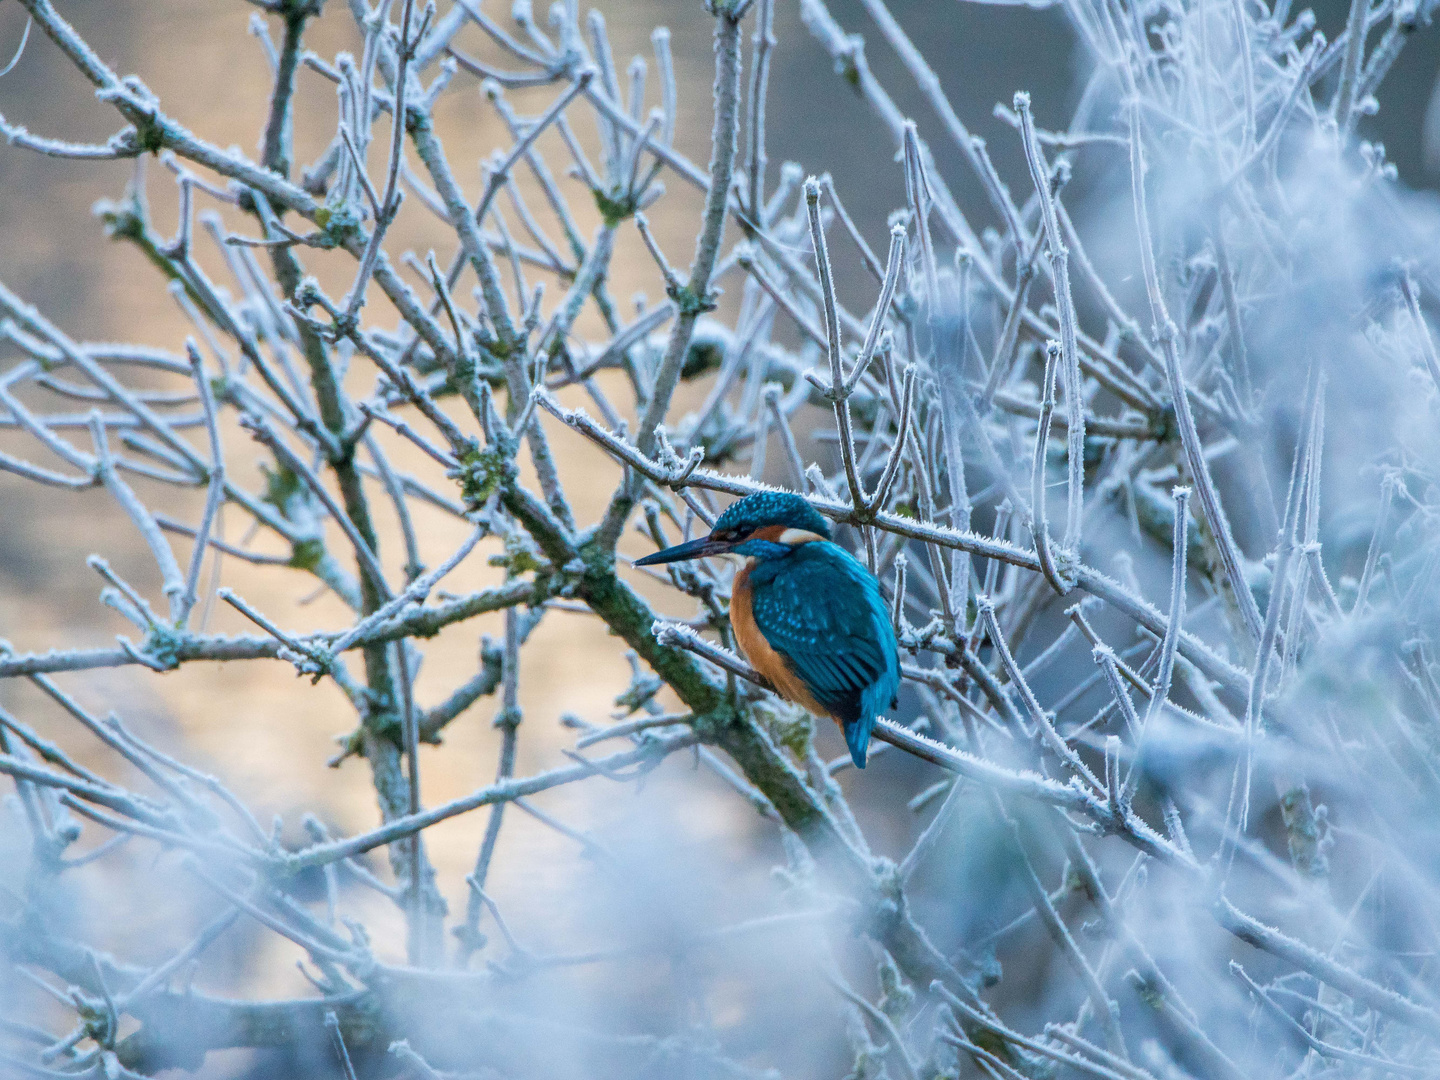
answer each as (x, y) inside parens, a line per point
(822, 611)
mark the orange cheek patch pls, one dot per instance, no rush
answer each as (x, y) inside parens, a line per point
(780, 534)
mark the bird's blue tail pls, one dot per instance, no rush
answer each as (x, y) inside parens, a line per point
(857, 737)
(873, 701)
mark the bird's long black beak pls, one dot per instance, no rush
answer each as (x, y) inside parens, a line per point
(691, 549)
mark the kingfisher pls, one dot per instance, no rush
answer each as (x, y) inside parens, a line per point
(806, 614)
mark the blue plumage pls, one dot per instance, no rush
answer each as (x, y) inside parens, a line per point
(771, 508)
(805, 612)
(822, 611)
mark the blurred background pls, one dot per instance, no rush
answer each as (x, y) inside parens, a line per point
(250, 723)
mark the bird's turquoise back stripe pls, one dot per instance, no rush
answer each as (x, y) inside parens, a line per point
(822, 611)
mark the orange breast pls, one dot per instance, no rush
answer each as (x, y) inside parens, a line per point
(758, 651)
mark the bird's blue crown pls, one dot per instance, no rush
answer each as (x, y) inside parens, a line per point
(771, 508)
